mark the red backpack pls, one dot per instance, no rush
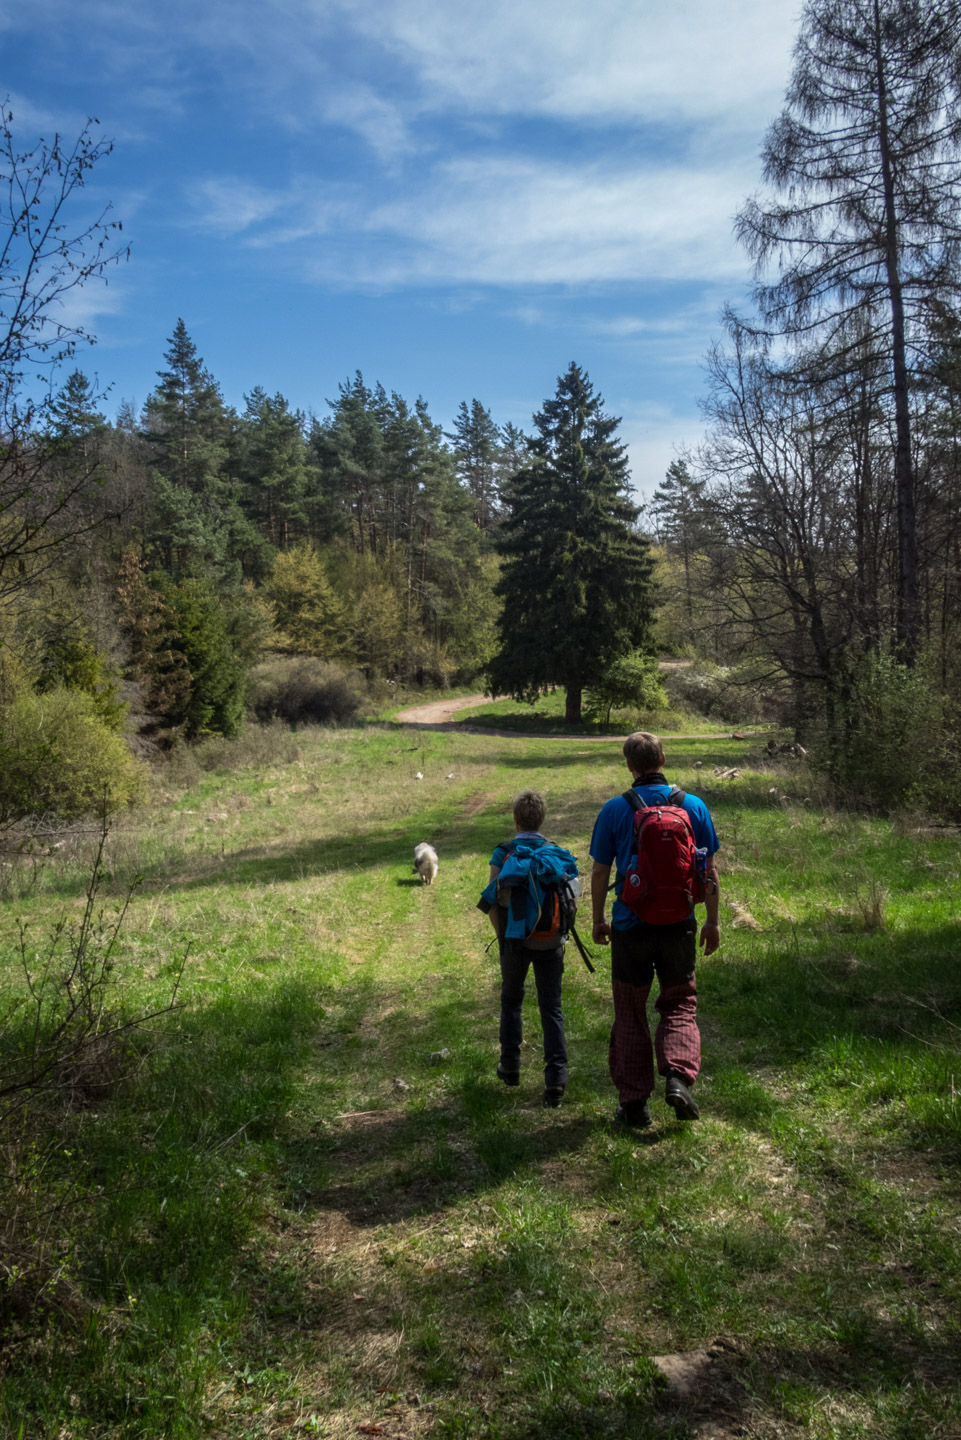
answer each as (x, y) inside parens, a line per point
(664, 880)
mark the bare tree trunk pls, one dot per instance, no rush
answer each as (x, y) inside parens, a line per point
(909, 608)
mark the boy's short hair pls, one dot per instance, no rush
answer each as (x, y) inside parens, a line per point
(643, 753)
(530, 807)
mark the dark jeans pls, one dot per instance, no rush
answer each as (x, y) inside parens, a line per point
(548, 970)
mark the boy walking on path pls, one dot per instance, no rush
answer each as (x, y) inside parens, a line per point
(640, 949)
(516, 958)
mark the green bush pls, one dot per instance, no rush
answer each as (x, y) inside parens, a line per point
(898, 743)
(305, 690)
(58, 758)
(72, 662)
(736, 694)
(631, 682)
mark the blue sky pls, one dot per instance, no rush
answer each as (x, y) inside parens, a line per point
(456, 197)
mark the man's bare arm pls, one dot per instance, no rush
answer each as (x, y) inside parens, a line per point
(600, 880)
(711, 929)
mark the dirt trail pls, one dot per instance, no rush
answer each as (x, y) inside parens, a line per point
(438, 715)
(439, 712)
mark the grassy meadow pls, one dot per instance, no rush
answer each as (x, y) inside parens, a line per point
(301, 1203)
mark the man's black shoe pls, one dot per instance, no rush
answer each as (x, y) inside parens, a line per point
(509, 1077)
(680, 1099)
(553, 1095)
(634, 1112)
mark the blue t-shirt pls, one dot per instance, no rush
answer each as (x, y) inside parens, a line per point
(613, 837)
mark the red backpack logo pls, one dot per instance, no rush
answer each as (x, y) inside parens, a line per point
(664, 880)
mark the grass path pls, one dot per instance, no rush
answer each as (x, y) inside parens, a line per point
(308, 1207)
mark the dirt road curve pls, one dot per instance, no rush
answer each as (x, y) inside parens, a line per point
(441, 712)
(438, 712)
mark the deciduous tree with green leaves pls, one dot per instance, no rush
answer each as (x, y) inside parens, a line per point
(576, 579)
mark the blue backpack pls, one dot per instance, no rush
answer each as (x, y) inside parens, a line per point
(536, 889)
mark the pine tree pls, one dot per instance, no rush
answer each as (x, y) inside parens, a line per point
(274, 467)
(196, 525)
(576, 582)
(679, 510)
(476, 443)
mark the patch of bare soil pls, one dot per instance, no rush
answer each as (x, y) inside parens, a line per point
(478, 801)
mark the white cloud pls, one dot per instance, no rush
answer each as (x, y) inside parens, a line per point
(378, 65)
(230, 206)
(688, 58)
(512, 222)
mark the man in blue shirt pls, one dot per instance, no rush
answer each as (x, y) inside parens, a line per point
(639, 950)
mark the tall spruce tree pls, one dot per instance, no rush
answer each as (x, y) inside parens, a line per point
(576, 582)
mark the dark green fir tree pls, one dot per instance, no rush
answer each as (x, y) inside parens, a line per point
(577, 573)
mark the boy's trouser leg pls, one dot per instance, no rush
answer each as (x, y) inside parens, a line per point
(630, 1054)
(548, 970)
(515, 961)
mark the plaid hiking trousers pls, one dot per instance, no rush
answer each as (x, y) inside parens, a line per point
(638, 954)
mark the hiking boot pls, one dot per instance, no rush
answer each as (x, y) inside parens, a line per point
(679, 1097)
(509, 1077)
(553, 1095)
(634, 1112)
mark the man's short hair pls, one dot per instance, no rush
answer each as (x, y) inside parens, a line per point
(530, 807)
(644, 753)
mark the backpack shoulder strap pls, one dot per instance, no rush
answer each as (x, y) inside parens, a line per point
(633, 799)
(676, 797)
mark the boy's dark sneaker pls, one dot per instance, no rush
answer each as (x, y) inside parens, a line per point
(509, 1077)
(634, 1112)
(679, 1097)
(553, 1095)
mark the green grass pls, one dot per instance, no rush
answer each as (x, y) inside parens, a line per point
(275, 1213)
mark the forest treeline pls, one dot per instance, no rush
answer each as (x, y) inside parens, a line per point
(184, 544)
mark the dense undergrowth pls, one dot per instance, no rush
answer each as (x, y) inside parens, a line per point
(301, 1202)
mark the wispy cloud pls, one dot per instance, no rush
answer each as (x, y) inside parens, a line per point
(608, 60)
(378, 65)
(502, 221)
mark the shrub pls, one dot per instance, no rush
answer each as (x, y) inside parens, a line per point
(898, 742)
(72, 662)
(58, 758)
(737, 694)
(305, 690)
(632, 681)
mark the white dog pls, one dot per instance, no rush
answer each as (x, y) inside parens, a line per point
(425, 862)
